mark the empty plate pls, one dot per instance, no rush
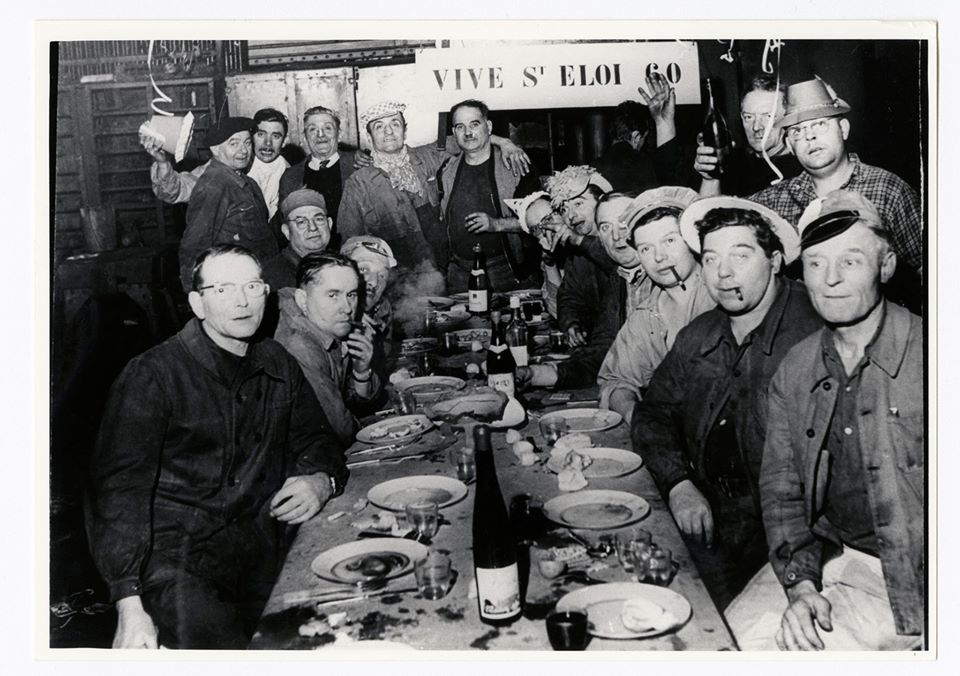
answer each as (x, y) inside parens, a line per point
(596, 509)
(397, 493)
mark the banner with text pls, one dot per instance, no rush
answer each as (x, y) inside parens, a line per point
(509, 77)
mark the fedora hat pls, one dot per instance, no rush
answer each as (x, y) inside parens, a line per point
(810, 100)
(785, 232)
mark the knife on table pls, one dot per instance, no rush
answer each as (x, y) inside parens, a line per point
(386, 461)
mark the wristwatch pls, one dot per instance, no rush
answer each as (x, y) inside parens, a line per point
(333, 486)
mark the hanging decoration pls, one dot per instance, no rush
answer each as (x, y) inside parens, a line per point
(771, 45)
(728, 57)
(170, 132)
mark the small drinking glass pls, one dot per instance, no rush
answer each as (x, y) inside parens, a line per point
(552, 429)
(463, 459)
(567, 630)
(634, 549)
(434, 575)
(404, 402)
(424, 517)
(660, 567)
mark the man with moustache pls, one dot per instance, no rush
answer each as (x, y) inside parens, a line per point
(817, 129)
(699, 426)
(318, 327)
(538, 219)
(211, 444)
(842, 483)
(474, 188)
(323, 170)
(174, 187)
(226, 206)
(397, 197)
(747, 170)
(672, 293)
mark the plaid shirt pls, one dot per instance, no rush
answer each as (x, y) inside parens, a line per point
(897, 202)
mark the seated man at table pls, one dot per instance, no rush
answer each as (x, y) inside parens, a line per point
(618, 297)
(319, 326)
(699, 427)
(842, 482)
(673, 293)
(374, 259)
(211, 442)
(539, 219)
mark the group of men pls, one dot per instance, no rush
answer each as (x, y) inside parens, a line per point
(772, 386)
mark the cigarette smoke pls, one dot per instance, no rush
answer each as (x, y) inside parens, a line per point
(411, 284)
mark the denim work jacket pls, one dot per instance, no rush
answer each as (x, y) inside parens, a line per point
(184, 457)
(700, 374)
(796, 464)
(371, 206)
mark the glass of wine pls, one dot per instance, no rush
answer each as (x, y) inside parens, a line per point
(567, 630)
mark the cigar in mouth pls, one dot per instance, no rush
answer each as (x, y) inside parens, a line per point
(679, 281)
(739, 293)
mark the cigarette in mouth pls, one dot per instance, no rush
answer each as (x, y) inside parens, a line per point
(677, 275)
(739, 293)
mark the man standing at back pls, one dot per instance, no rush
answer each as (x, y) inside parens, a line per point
(323, 170)
(817, 130)
(473, 188)
(227, 206)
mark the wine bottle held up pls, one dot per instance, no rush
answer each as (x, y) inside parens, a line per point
(715, 132)
(478, 287)
(501, 367)
(494, 548)
(517, 334)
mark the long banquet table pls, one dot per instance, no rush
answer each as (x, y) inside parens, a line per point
(452, 623)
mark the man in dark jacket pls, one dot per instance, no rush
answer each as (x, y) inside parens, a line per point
(699, 427)
(210, 445)
(226, 206)
(842, 482)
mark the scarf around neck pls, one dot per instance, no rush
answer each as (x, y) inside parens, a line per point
(398, 168)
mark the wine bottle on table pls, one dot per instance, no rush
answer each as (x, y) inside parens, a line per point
(494, 547)
(478, 287)
(501, 367)
(715, 132)
(517, 334)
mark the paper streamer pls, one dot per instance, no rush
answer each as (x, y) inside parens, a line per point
(771, 46)
(161, 97)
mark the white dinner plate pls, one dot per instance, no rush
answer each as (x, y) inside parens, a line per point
(373, 559)
(397, 493)
(603, 604)
(430, 388)
(524, 294)
(607, 463)
(397, 429)
(450, 317)
(596, 509)
(418, 345)
(586, 419)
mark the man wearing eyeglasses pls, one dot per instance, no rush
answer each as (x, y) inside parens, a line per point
(306, 226)
(817, 130)
(227, 206)
(212, 443)
(747, 170)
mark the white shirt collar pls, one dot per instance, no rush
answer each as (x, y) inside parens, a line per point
(315, 163)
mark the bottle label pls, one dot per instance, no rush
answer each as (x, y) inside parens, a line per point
(503, 382)
(477, 273)
(520, 355)
(498, 591)
(497, 349)
(477, 301)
